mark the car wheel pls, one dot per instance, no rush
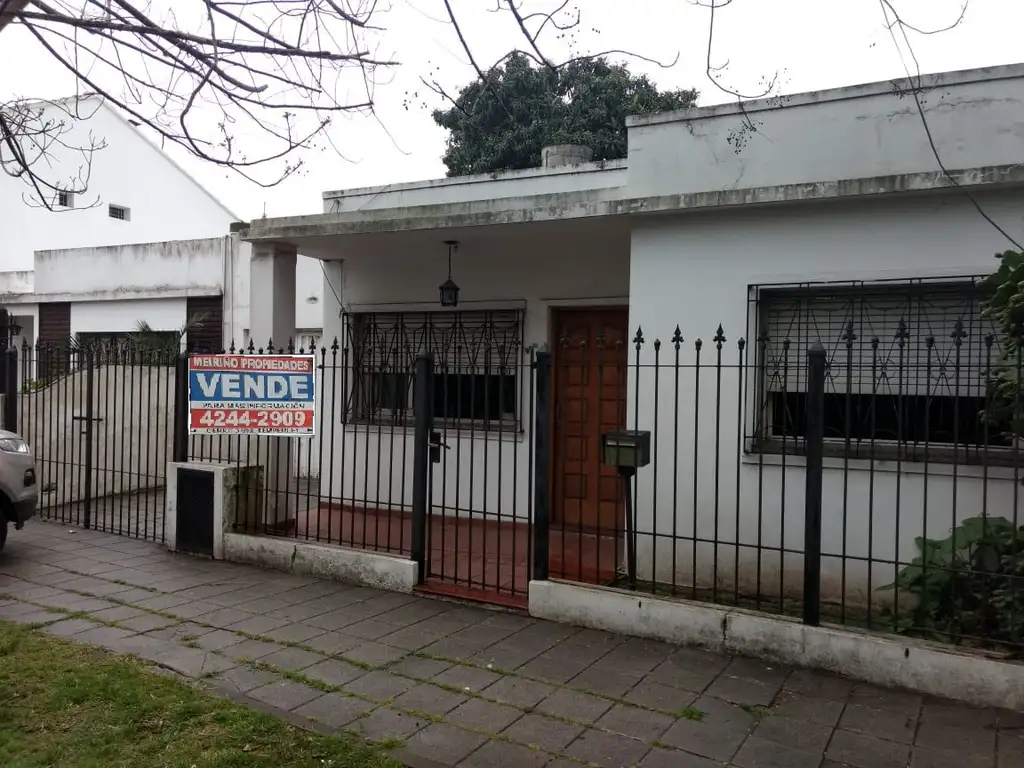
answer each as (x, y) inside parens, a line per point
(3, 532)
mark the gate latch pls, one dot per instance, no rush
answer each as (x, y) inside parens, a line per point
(435, 447)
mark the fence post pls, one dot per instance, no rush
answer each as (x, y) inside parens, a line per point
(423, 414)
(180, 447)
(90, 394)
(11, 391)
(5, 335)
(542, 470)
(814, 448)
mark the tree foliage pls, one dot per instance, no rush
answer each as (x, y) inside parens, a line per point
(502, 122)
(1005, 408)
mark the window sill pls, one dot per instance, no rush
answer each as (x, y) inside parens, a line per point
(511, 434)
(998, 463)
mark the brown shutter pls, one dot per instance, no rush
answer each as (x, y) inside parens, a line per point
(207, 338)
(54, 338)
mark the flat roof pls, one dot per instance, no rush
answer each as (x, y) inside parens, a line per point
(810, 98)
(535, 209)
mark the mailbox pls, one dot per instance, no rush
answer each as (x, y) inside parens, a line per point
(627, 449)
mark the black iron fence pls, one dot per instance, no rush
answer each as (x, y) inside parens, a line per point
(98, 418)
(871, 481)
(463, 511)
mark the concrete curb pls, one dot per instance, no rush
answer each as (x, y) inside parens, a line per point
(888, 661)
(354, 566)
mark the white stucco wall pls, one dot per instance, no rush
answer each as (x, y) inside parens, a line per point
(14, 283)
(111, 288)
(124, 316)
(537, 271)
(145, 270)
(694, 271)
(309, 290)
(165, 203)
(607, 177)
(975, 118)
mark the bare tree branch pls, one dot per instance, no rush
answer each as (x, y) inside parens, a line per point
(531, 26)
(893, 22)
(242, 85)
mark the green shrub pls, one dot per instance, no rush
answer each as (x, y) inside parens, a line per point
(967, 586)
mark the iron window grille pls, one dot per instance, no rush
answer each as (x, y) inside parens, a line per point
(478, 356)
(118, 212)
(907, 376)
(65, 199)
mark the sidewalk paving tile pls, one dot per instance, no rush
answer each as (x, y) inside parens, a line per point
(496, 754)
(333, 710)
(285, 694)
(444, 743)
(480, 714)
(384, 723)
(473, 688)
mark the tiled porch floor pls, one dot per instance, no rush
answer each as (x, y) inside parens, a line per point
(478, 556)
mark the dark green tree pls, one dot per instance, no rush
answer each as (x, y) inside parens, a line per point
(502, 122)
(1005, 409)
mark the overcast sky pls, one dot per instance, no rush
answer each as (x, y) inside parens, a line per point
(813, 44)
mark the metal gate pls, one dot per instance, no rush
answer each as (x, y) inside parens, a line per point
(98, 415)
(473, 480)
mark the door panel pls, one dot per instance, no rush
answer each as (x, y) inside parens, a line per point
(591, 354)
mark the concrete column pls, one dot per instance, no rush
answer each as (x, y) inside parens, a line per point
(332, 322)
(272, 294)
(333, 397)
(272, 318)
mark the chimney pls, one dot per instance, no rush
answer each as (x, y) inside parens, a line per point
(562, 155)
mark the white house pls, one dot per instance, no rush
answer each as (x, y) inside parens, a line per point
(145, 242)
(826, 218)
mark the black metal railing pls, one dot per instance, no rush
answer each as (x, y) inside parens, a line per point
(98, 419)
(840, 480)
(756, 495)
(356, 484)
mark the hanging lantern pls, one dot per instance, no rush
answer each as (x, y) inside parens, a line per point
(449, 290)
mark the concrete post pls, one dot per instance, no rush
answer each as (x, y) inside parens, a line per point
(332, 302)
(272, 318)
(332, 397)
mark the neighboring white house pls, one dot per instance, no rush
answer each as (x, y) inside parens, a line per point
(781, 222)
(142, 243)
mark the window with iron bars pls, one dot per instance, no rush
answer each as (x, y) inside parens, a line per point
(908, 367)
(477, 356)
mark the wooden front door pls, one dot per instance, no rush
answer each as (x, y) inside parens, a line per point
(591, 349)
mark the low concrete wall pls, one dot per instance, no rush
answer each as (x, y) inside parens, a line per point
(882, 660)
(237, 495)
(354, 566)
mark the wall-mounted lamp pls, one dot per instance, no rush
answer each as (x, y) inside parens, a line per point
(449, 290)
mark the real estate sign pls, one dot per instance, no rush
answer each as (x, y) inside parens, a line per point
(271, 395)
